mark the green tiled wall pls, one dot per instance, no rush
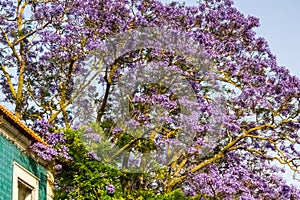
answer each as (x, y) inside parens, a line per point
(9, 153)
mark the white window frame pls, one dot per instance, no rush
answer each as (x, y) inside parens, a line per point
(20, 173)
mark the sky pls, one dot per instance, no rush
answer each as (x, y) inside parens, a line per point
(279, 25)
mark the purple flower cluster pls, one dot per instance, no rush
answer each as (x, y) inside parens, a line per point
(239, 181)
(58, 167)
(92, 136)
(117, 130)
(55, 141)
(110, 188)
(92, 155)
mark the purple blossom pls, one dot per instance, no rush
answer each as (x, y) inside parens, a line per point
(132, 123)
(58, 167)
(117, 130)
(92, 155)
(46, 153)
(285, 190)
(191, 150)
(93, 136)
(110, 188)
(270, 146)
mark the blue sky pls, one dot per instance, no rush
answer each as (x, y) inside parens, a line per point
(279, 24)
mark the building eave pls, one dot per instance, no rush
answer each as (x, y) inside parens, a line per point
(19, 125)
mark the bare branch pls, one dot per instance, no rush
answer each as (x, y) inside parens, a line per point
(29, 34)
(9, 82)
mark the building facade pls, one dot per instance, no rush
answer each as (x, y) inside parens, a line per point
(23, 176)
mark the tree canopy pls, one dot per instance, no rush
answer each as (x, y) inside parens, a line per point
(167, 99)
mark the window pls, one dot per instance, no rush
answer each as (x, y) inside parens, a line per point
(24, 191)
(25, 184)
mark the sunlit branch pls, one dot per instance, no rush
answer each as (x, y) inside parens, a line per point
(82, 86)
(9, 82)
(229, 147)
(29, 34)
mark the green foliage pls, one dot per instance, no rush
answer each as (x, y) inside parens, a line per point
(150, 195)
(83, 177)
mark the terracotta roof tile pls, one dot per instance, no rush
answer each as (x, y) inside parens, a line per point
(30, 134)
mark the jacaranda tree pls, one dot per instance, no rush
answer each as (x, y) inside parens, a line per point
(163, 99)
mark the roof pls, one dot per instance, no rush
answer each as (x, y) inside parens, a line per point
(19, 125)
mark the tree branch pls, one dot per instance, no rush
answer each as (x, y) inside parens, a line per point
(219, 155)
(9, 82)
(29, 34)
